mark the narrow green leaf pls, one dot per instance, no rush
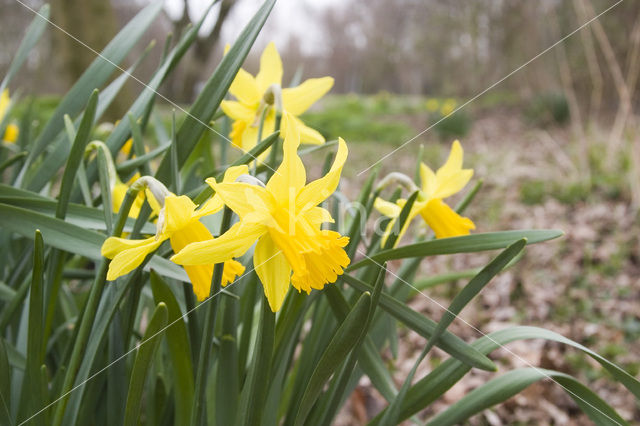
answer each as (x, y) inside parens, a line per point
(476, 284)
(227, 380)
(128, 165)
(256, 385)
(179, 350)
(504, 387)
(447, 374)
(142, 364)
(6, 293)
(465, 244)
(74, 239)
(343, 340)
(401, 222)
(75, 157)
(31, 37)
(5, 385)
(138, 143)
(11, 161)
(213, 92)
(424, 326)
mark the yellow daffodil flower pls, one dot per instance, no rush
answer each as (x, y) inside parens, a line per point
(254, 95)
(11, 132)
(446, 181)
(432, 105)
(448, 106)
(285, 220)
(179, 222)
(118, 192)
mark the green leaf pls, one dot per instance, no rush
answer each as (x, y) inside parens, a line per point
(465, 244)
(75, 157)
(74, 239)
(504, 387)
(35, 352)
(447, 374)
(142, 364)
(344, 339)
(5, 385)
(402, 220)
(179, 350)
(227, 380)
(424, 326)
(130, 165)
(476, 284)
(33, 34)
(95, 76)
(255, 389)
(214, 91)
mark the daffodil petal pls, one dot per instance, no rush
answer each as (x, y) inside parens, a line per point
(290, 176)
(5, 100)
(453, 183)
(273, 270)
(387, 208)
(318, 215)
(270, 68)
(444, 221)
(11, 133)
(215, 203)
(297, 100)
(243, 198)
(307, 134)
(320, 189)
(245, 88)
(127, 254)
(232, 269)
(454, 161)
(233, 243)
(427, 180)
(238, 111)
(178, 212)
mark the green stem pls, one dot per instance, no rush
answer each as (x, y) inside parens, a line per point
(199, 400)
(89, 314)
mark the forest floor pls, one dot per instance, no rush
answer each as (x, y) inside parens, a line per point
(585, 285)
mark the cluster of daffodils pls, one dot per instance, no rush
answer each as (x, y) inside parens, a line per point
(281, 219)
(442, 106)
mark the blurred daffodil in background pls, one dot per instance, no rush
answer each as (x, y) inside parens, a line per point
(179, 222)
(285, 220)
(11, 131)
(442, 219)
(262, 97)
(448, 106)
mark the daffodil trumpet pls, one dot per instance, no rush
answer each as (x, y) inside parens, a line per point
(178, 222)
(284, 218)
(442, 219)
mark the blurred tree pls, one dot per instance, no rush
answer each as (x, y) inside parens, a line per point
(184, 87)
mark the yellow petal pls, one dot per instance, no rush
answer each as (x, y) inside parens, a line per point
(451, 178)
(237, 133)
(5, 100)
(444, 221)
(215, 203)
(428, 180)
(307, 134)
(178, 211)
(127, 254)
(296, 100)
(393, 225)
(238, 111)
(243, 198)
(318, 215)
(11, 133)
(270, 68)
(387, 208)
(232, 269)
(320, 189)
(233, 243)
(273, 270)
(199, 275)
(245, 88)
(290, 176)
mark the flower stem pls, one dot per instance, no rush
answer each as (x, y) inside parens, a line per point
(199, 401)
(89, 313)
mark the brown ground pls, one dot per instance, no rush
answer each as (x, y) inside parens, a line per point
(585, 285)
